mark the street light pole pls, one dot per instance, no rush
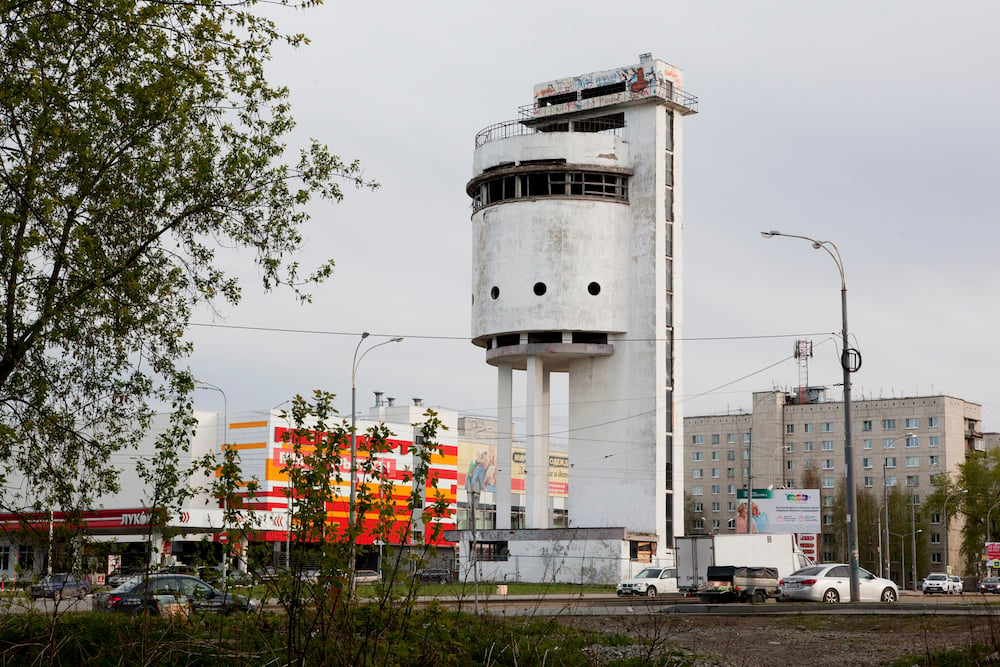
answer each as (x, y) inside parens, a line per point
(354, 446)
(850, 362)
(885, 502)
(997, 504)
(913, 544)
(225, 498)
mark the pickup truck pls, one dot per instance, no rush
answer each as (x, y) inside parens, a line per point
(737, 583)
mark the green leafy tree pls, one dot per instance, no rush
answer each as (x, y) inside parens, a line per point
(135, 140)
(973, 498)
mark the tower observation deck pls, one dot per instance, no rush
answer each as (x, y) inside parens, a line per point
(577, 225)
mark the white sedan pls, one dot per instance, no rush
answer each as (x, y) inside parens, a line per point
(832, 583)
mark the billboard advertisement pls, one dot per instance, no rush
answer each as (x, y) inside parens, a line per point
(477, 463)
(779, 511)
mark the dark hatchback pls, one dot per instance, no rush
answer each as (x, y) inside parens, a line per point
(433, 575)
(989, 585)
(147, 596)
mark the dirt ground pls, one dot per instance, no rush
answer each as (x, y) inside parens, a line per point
(815, 640)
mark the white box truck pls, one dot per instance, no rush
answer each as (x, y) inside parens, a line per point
(695, 553)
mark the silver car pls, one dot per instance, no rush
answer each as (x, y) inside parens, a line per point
(832, 583)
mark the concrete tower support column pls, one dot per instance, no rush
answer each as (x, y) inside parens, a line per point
(536, 474)
(505, 431)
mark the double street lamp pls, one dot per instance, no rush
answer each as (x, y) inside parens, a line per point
(354, 444)
(850, 362)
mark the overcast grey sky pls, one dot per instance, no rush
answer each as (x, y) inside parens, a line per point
(869, 124)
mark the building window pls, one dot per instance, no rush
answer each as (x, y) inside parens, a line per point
(26, 558)
(808, 464)
(715, 456)
(551, 184)
(828, 445)
(915, 498)
(890, 462)
(888, 424)
(911, 422)
(828, 556)
(715, 473)
(715, 524)
(867, 463)
(936, 558)
(826, 427)
(828, 501)
(699, 524)
(912, 461)
(731, 473)
(715, 438)
(912, 441)
(4, 558)
(933, 460)
(697, 439)
(746, 454)
(913, 480)
(715, 489)
(789, 448)
(807, 446)
(731, 438)
(890, 480)
(932, 441)
(932, 422)
(790, 483)
(731, 524)
(827, 519)
(869, 482)
(697, 491)
(807, 428)
(699, 507)
(697, 456)
(731, 489)
(789, 429)
(732, 506)
(746, 471)
(868, 444)
(716, 507)
(696, 473)
(935, 538)
(730, 455)
(828, 483)
(936, 518)
(888, 443)
(789, 465)
(746, 438)
(866, 425)
(827, 464)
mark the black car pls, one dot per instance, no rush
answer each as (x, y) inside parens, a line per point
(160, 591)
(989, 585)
(433, 575)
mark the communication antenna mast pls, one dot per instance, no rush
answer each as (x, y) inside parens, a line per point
(803, 350)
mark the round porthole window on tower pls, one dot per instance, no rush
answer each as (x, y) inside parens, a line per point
(540, 289)
(594, 288)
(495, 293)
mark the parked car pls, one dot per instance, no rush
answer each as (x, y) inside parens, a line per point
(367, 577)
(988, 585)
(433, 575)
(957, 585)
(832, 583)
(938, 582)
(140, 596)
(649, 582)
(122, 574)
(59, 586)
